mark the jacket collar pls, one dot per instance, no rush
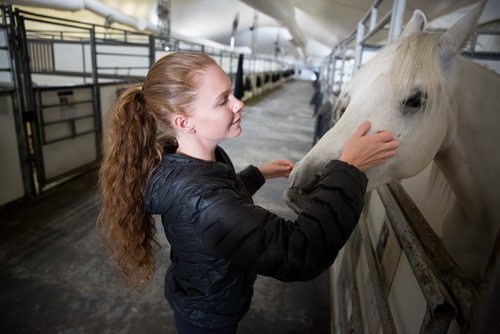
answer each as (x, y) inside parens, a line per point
(222, 159)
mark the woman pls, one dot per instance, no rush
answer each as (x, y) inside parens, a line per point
(219, 239)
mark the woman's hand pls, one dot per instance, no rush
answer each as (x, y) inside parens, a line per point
(367, 151)
(276, 168)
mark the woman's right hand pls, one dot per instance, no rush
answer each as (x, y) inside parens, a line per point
(367, 151)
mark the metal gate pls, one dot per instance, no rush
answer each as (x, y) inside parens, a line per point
(60, 127)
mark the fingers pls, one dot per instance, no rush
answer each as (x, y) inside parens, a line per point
(362, 129)
(283, 164)
(392, 145)
(384, 135)
(276, 168)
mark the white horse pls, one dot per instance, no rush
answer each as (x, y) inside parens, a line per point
(441, 106)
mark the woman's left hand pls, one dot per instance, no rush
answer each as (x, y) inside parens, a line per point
(276, 168)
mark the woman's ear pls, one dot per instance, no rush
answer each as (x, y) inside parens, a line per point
(181, 123)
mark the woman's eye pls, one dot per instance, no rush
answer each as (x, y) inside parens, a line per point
(223, 102)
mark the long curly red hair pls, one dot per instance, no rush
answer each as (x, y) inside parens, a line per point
(131, 152)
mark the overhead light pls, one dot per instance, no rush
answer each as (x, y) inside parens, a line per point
(167, 48)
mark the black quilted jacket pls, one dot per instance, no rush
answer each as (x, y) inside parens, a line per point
(220, 240)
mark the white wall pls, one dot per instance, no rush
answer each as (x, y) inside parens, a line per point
(5, 77)
(65, 155)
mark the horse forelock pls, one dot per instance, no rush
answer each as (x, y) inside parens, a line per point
(409, 63)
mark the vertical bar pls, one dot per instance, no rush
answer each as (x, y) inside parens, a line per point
(95, 92)
(359, 47)
(343, 51)
(45, 57)
(398, 11)
(379, 284)
(152, 50)
(52, 58)
(28, 111)
(40, 116)
(352, 254)
(373, 18)
(83, 64)
(342, 319)
(15, 57)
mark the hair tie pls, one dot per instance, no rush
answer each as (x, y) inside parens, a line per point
(141, 94)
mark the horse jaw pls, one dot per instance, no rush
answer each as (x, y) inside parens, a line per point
(410, 159)
(304, 177)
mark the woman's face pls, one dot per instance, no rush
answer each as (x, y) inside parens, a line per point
(216, 112)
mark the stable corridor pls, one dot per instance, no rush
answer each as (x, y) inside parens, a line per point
(54, 272)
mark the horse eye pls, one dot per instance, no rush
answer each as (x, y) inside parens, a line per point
(417, 100)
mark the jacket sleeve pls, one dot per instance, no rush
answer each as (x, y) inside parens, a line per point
(251, 178)
(255, 239)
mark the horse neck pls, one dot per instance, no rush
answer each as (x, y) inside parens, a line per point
(469, 156)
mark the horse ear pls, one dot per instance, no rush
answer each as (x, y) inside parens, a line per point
(416, 24)
(453, 40)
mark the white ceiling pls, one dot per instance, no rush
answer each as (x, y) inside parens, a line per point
(322, 22)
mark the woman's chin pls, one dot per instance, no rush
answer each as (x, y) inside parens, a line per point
(234, 132)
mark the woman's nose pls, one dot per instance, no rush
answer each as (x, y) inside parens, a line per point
(237, 105)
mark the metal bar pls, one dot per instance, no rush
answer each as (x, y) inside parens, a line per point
(29, 110)
(373, 18)
(96, 94)
(379, 284)
(73, 136)
(460, 288)
(89, 25)
(123, 77)
(375, 5)
(46, 56)
(47, 106)
(483, 55)
(84, 65)
(121, 54)
(61, 24)
(67, 120)
(398, 12)
(341, 81)
(378, 27)
(352, 254)
(359, 47)
(16, 60)
(151, 51)
(342, 319)
(435, 293)
(80, 41)
(122, 67)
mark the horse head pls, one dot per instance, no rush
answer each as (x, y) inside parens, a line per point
(406, 88)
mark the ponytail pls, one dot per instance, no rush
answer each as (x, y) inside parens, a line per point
(131, 152)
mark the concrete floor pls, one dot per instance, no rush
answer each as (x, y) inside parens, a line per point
(55, 277)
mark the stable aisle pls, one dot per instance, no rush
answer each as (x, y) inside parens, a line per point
(55, 278)
(280, 125)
